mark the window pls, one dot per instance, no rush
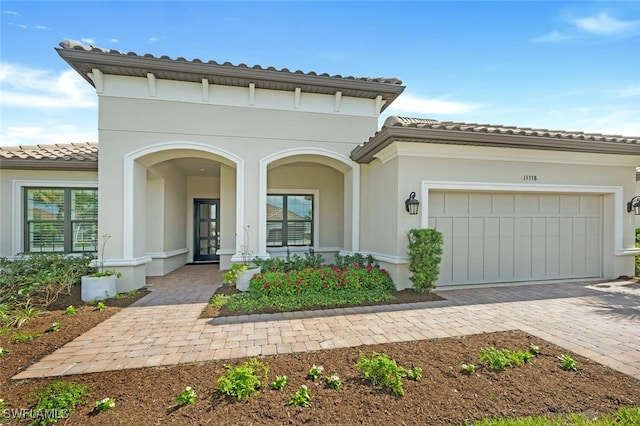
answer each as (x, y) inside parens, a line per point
(289, 220)
(61, 220)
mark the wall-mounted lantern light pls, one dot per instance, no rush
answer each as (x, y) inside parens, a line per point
(412, 204)
(634, 205)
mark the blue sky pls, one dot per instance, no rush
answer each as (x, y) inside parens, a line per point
(554, 64)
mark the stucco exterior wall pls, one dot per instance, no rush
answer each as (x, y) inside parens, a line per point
(12, 183)
(418, 166)
(139, 129)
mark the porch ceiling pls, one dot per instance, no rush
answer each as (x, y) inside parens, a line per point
(197, 167)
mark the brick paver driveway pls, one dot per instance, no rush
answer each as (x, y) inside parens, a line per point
(598, 320)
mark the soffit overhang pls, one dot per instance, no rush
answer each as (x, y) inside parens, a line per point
(84, 59)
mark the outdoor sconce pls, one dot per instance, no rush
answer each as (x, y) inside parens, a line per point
(412, 204)
(634, 205)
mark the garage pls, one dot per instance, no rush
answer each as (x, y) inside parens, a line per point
(494, 237)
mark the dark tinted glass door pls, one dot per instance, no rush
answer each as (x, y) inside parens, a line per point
(207, 226)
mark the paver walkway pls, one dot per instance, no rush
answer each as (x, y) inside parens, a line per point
(600, 321)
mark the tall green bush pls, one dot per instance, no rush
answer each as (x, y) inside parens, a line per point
(425, 253)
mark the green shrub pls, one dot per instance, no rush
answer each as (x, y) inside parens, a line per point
(59, 398)
(637, 272)
(243, 381)
(382, 371)
(499, 360)
(40, 278)
(290, 263)
(425, 252)
(230, 276)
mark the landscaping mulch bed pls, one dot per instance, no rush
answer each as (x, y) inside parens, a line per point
(443, 396)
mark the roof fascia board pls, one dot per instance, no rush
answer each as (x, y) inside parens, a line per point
(23, 164)
(365, 153)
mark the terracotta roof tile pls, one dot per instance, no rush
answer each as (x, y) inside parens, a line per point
(450, 132)
(74, 45)
(82, 156)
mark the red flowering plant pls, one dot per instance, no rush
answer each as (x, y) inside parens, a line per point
(325, 279)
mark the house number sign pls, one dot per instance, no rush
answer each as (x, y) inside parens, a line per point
(530, 178)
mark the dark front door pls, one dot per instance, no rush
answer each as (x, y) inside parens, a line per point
(207, 230)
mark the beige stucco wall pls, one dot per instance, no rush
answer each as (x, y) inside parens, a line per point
(415, 166)
(12, 202)
(139, 130)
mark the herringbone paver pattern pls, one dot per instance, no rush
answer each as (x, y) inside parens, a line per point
(164, 329)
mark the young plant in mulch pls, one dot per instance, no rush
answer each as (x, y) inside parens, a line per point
(54, 327)
(105, 404)
(382, 371)
(71, 310)
(499, 360)
(333, 381)
(24, 337)
(58, 399)
(315, 372)
(467, 368)
(187, 397)
(243, 381)
(567, 363)
(301, 398)
(279, 383)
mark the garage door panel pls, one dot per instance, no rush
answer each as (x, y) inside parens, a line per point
(507, 237)
(549, 204)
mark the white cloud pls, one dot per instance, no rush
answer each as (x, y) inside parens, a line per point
(87, 40)
(25, 87)
(11, 12)
(408, 103)
(603, 24)
(113, 40)
(600, 24)
(41, 27)
(553, 37)
(154, 39)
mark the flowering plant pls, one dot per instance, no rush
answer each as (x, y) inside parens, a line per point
(279, 383)
(316, 372)
(301, 398)
(71, 310)
(188, 396)
(54, 327)
(105, 404)
(333, 381)
(4, 351)
(467, 368)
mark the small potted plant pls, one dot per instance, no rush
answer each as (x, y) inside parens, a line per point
(250, 269)
(102, 283)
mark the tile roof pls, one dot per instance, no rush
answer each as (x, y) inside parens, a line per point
(74, 156)
(85, 58)
(435, 131)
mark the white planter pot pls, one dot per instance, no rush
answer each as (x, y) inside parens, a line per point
(242, 283)
(98, 288)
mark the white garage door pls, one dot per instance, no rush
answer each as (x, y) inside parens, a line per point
(507, 237)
